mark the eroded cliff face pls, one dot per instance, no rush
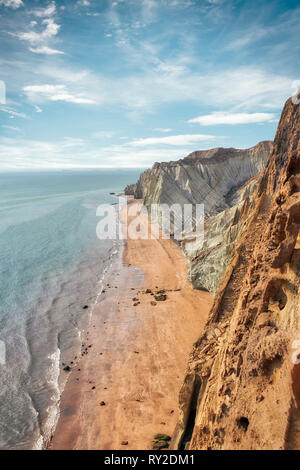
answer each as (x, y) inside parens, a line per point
(209, 261)
(242, 388)
(221, 179)
(208, 177)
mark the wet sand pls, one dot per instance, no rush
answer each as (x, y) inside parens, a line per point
(134, 357)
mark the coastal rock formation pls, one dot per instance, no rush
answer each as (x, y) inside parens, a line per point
(208, 177)
(241, 390)
(208, 262)
(221, 179)
(130, 190)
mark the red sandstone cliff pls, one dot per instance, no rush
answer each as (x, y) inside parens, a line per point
(242, 389)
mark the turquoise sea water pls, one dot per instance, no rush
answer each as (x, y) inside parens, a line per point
(51, 264)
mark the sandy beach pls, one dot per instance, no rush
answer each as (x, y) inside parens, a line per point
(125, 387)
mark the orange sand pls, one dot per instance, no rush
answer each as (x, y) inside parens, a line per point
(138, 354)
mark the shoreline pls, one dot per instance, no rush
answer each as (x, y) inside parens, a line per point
(124, 389)
(72, 354)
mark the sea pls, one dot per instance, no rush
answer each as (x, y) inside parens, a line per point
(52, 267)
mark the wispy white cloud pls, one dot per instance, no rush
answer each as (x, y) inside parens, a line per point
(69, 75)
(162, 129)
(51, 29)
(149, 10)
(39, 37)
(248, 37)
(221, 117)
(251, 29)
(49, 10)
(185, 139)
(103, 134)
(171, 69)
(45, 50)
(79, 153)
(245, 88)
(249, 89)
(12, 3)
(62, 84)
(12, 112)
(84, 3)
(46, 92)
(12, 128)
(180, 3)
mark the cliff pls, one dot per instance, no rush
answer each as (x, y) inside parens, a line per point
(221, 179)
(241, 390)
(208, 177)
(208, 263)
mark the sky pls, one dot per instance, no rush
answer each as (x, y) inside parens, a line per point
(126, 83)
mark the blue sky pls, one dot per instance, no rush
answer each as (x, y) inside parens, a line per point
(125, 83)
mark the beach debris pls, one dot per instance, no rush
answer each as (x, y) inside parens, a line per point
(102, 403)
(67, 368)
(162, 437)
(85, 307)
(160, 297)
(153, 303)
(163, 423)
(135, 299)
(157, 445)
(136, 352)
(124, 443)
(171, 412)
(93, 388)
(148, 291)
(161, 441)
(136, 304)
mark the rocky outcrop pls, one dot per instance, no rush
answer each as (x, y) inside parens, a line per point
(241, 389)
(221, 179)
(208, 177)
(130, 190)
